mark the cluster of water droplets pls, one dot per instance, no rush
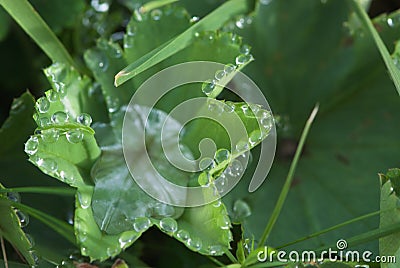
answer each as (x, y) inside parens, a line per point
(156, 15)
(212, 87)
(23, 220)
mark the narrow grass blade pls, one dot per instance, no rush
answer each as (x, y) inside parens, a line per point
(41, 190)
(61, 227)
(366, 22)
(367, 237)
(211, 22)
(26, 16)
(282, 197)
(363, 217)
(155, 4)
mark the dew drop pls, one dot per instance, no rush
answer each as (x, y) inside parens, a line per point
(194, 19)
(205, 163)
(84, 251)
(22, 218)
(131, 30)
(84, 119)
(42, 105)
(66, 177)
(74, 136)
(57, 72)
(229, 68)
(30, 240)
(204, 179)
(224, 222)
(31, 146)
(219, 75)
(221, 155)
(216, 107)
(48, 165)
(245, 49)
(50, 135)
(84, 200)
(235, 169)
(247, 111)
(100, 5)
(112, 103)
(59, 117)
(14, 197)
(219, 183)
(265, 2)
(128, 41)
(242, 146)
(229, 107)
(156, 14)
(240, 22)
(127, 238)
(53, 96)
(163, 210)
(241, 210)
(182, 235)
(194, 243)
(217, 203)
(390, 22)
(60, 88)
(43, 122)
(266, 123)
(255, 137)
(112, 251)
(115, 51)
(215, 250)
(243, 59)
(168, 225)
(208, 87)
(141, 224)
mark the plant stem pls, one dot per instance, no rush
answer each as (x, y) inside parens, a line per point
(217, 262)
(41, 190)
(231, 257)
(27, 17)
(368, 236)
(366, 22)
(285, 190)
(3, 249)
(57, 225)
(331, 228)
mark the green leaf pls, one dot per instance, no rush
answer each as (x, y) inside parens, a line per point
(334, 181)
(390, 201)
(10, 228)
(367, 23)
(5, 24)
(211, 22)
(23, 13)
(58, 15)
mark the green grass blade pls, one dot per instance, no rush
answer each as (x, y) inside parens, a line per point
(337, 226)
(61, 227)
(211, 22)
(41, 190)
(367, 237)
(366, 22)
(26, 16)
(155, 4)
(289, 179)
